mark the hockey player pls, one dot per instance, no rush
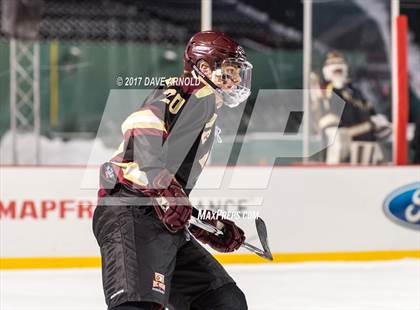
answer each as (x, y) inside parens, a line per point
(150, 259)
(359, 126)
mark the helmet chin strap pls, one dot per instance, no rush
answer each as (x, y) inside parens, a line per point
(205, 78)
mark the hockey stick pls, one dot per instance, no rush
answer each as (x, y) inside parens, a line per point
(265, 252)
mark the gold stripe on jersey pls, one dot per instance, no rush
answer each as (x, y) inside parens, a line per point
(132, 172)
(203, 92)
(210, 123)
(143, 119)
(205, 135)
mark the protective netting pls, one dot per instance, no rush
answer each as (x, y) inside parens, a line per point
(161, 21)
(87, 45)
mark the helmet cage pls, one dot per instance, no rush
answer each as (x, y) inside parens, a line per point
(235, 79)
(235, 76)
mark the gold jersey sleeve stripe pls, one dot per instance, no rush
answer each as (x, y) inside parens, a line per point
(131, 172)
(143, 119)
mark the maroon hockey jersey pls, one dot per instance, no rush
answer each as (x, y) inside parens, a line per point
(173, 129)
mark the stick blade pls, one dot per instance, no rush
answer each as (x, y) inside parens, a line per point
(262, 234)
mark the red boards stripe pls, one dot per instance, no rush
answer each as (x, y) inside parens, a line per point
(402, 119)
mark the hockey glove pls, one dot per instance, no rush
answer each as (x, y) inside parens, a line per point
(170, 201)
(231, 240)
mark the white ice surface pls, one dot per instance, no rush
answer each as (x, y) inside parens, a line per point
(369, 286)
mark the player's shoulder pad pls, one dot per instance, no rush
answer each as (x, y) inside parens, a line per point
(204, 91)
(190, 86)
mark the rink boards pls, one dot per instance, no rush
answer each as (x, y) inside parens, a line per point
(312, 213)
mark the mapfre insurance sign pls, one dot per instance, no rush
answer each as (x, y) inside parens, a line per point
(47, 211)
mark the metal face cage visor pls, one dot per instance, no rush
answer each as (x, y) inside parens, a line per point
(233, 76)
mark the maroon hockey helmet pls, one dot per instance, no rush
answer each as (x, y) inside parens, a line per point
(220, 51)
(213, 47)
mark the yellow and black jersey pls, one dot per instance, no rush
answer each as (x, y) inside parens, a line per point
(173, 129)
(355, 116)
